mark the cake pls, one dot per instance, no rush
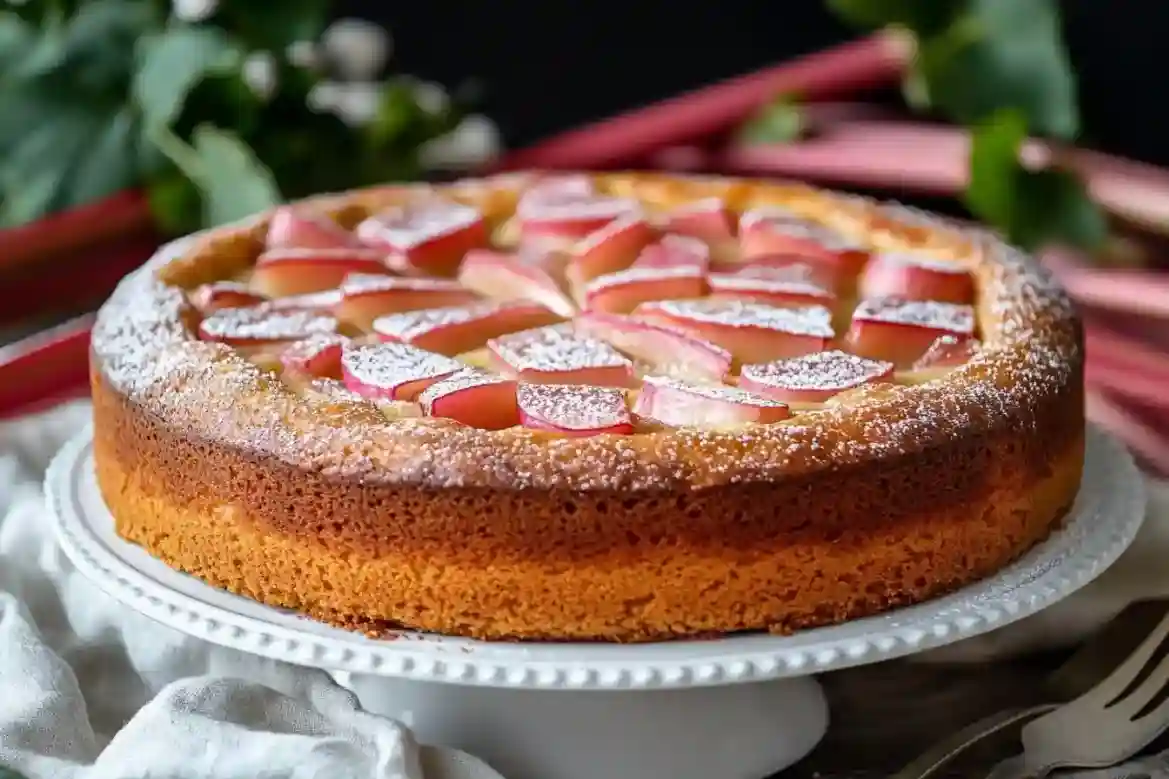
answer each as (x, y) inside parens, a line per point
(617, 407)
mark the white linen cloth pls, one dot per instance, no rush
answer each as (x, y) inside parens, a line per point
(89, 689)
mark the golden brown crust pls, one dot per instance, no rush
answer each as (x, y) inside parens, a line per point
(903, 493)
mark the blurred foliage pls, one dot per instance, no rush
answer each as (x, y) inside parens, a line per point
(101, 95)
(1001, 68)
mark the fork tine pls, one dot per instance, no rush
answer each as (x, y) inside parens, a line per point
(1120, 683)
(1136, 703)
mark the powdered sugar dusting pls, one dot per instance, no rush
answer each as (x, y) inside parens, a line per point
(144, 350)
(643, 275)
(573, 407)
(828, 370)
(785, 222)
(324, 299)
(367, 283)
(806, 320)
(390, 365)
(555, 349)
(715, 392)
(746, 284)
(260, 323)
(409, 325)
(464, 379)
(402, 228)
(920, 260)
(951, 317)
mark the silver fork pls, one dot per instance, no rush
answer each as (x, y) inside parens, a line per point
(1107, 725)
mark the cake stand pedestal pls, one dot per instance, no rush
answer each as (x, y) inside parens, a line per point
(738, 707)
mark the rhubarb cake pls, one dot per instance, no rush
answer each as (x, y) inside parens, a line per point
(619, 407)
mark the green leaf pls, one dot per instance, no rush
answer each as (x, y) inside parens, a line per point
(1003, 54)
(175, 204)
(17, 39)
(232, 182)
(35, 171)
(108, 165)
(8, 773)
(173, 63)
(1031, 207)
(781, 121)
(924, 17)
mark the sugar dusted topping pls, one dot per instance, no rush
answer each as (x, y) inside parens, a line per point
(643, 275)
(313, 347)
(408, 325)
(789, 223)
(366, 283)
(259, 323)
(308, 301)
(464, 379)
(555, 349)
(715, 392)
(952, 317)
(807, 320)
(920, 260)
(830, 370)
(573, 406)
(392, 364)
(738, 282)
(404, 227)
(146, 351)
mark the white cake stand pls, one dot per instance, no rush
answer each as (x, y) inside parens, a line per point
(681, 710)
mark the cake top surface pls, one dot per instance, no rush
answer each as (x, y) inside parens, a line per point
(502, 332)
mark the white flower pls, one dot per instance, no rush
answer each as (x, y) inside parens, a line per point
(355, 103)
(431, 97)
(194, 10)
(304, 54)
(474, 142)
(359, 49)
(259, 73)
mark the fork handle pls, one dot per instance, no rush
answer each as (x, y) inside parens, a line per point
(942, 753)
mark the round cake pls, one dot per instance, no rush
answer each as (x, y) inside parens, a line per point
(613, 407)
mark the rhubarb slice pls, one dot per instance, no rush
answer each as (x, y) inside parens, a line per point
(567, 209)
(623, 291)
(473, 397)
(752, 332)
(325, 300)
(224, 294)
(771, 231)
(612, 248)
(813, 378)
(260, 325)
(428, 237)
(393, 371)
(366, 297)
(677, 403)
(708, 220)
(669, 350)
(775, 292)
(458, 329)
(674, 251)
(788, 267)
(900, 331)
(319, 356)
(557, 355)
(282, 272)
(947, 351)
(297, 228)
(509, 277)
(573, 410)
(916, 277)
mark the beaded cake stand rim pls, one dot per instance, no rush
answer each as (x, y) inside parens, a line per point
(1106, 516)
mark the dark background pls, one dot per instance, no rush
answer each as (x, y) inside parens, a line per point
(547, 66)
